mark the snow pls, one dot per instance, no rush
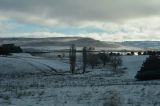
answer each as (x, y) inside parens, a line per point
(90, 96)
(25, 63)
(133, 64)
(97, 87)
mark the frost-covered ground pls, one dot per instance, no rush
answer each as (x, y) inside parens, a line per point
(25, 63)
(47, 82)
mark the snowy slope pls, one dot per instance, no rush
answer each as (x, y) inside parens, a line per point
(25, 63)
(133, 64)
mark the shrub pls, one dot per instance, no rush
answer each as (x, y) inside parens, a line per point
(104, 58)
(93, 60)
(115, 61)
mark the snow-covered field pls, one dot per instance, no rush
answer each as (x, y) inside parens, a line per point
(47, 82)
(25, 63)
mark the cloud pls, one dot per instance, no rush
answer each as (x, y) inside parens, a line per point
(75, 12)
(4, 27)
(115, 19)
(136, 29)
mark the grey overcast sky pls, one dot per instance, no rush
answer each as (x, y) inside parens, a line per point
(109, 20)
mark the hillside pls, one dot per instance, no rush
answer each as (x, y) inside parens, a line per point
(143, 44)
(57, 41)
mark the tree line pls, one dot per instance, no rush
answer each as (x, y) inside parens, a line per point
(93, 60)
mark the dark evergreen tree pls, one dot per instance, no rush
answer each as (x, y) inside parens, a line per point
(6, 49)
(150, 69)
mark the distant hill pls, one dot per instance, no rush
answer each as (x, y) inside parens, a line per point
(80, 42)
(143, 44)
(57, 41)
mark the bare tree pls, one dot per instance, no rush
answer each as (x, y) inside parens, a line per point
(72, 58)
(104, 58)
(115, 62)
